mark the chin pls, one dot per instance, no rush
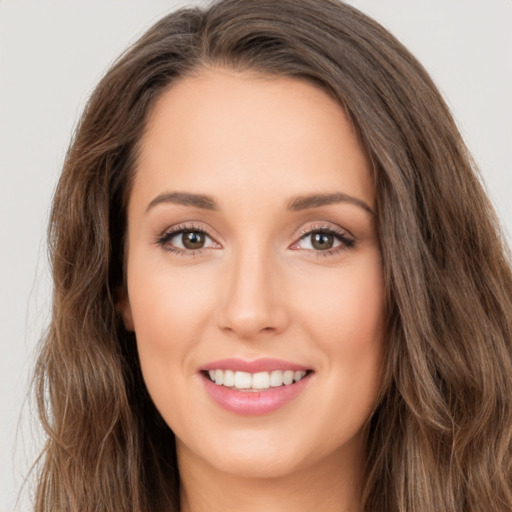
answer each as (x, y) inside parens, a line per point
(259, 464)
(249, 453)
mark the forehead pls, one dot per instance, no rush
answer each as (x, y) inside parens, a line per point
(222, 130)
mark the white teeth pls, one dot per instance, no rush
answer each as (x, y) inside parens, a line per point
(287, 377)
(298, 375)
(229, 378)
(242, 380)
(276, 378)
(255, 381)
(261, 380)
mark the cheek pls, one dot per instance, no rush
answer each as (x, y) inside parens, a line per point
(168, 310)
(165, 304)
(347, 301)
(343, 311)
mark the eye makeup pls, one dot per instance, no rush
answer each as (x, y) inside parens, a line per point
(324, 239)
(186, 240)
(189, 239)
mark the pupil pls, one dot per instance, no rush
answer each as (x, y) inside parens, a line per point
(193, 240)
(322, 241)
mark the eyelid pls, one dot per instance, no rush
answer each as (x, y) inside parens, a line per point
(170, 232)
(324, 226)
(347, 240)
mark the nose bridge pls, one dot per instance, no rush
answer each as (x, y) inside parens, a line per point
(252, 303)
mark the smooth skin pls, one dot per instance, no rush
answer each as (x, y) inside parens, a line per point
(229, 257)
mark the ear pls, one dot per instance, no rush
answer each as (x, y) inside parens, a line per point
(123, 306)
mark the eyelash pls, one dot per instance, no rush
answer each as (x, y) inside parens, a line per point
(346, 242)
(168, 235)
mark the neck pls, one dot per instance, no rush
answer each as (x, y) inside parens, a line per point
(326, 486)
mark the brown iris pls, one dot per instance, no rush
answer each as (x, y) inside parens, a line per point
(322, 241)
(193, 239)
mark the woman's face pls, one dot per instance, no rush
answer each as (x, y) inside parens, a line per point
(253, 260)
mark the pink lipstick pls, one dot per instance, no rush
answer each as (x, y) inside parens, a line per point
(254, 387)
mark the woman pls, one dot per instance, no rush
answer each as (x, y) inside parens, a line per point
(278, 282)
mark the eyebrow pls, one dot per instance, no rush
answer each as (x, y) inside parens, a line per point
(185, 199)
(316, 200)
(295, 204)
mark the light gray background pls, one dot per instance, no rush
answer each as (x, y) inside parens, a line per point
(51, 55)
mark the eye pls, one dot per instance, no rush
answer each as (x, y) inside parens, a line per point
(190, 240)
(324, 239)
(186, 240)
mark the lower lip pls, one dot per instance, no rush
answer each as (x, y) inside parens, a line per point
(252, 403)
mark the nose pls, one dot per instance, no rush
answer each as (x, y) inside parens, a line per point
(253, 301)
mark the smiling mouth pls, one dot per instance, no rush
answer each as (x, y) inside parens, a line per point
(255, 382)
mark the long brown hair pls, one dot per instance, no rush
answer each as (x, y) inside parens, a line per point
(440, 437)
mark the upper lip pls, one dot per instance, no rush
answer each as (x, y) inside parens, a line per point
(257, 365)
